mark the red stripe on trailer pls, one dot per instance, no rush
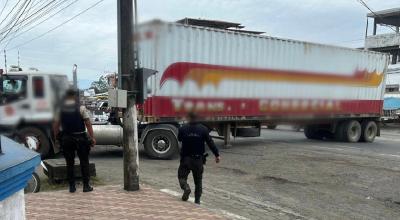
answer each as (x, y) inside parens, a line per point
(162, 106)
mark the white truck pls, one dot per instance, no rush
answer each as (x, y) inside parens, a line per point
(28, 101)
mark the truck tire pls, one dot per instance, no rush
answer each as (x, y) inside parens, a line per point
(311, 132)
(33, 185)
(44, 142)
(339, 132)
(161, 144)
(272, 127)
(369, 129)
(352, 131)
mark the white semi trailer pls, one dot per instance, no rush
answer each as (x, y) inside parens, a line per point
(236, 81)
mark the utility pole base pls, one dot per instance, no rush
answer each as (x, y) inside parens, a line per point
(133, 184)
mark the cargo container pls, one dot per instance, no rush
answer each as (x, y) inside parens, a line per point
(239, 82)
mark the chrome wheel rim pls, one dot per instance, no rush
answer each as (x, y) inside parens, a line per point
(161, 144)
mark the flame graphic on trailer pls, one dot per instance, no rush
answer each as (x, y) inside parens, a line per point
(204, 74)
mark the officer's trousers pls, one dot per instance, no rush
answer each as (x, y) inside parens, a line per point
(194, 164)
(78, 143)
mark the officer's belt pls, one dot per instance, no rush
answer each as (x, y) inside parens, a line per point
(76, 133)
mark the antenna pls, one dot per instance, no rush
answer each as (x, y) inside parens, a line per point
(5, 61)
(18, 60)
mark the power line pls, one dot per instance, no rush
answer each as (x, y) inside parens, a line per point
(8, 14)
(19, 25)
(41, 22)
(362, 2)
(24, 6)
(9, 22)
(56, 27)
(34, 13)
(5, 5)
(36, 17)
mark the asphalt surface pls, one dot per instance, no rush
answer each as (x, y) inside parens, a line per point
(282, 175)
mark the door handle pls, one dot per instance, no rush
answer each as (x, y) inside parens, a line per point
(25, 106)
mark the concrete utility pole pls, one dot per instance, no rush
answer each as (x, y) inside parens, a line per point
(126, 81)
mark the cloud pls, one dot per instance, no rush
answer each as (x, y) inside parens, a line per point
(90, 41)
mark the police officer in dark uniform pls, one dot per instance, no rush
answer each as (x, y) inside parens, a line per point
(73, 120)
(193, 137)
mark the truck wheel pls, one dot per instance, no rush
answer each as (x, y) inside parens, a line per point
(311, 132)
(339, 133)
(272, 127)
(352, 131)
(33, 185)
(369, 130)
(161, 144)
(36, 133)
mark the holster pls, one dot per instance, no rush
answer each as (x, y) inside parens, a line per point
(88, 140)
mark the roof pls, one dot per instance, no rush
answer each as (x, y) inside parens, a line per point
(209, 23)
(246, 31)
(391, 103)
(385, 13)
(225, 25)
(388, 16)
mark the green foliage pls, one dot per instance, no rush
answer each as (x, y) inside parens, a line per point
(100, 86)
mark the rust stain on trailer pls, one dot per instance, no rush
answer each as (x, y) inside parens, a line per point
(204, 74)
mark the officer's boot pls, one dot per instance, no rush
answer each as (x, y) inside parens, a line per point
(185, 187)
(72, 187)
(197, 192)
(197, 200)
(186, 193)
(87, 187)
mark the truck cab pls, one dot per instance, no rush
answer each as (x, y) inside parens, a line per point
(28, 102)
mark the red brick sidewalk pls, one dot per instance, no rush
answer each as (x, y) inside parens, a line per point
(111, 202)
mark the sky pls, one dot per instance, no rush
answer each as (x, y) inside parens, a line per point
(90, 40)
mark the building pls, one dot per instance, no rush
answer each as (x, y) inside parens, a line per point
(380, 39)
(384, 36)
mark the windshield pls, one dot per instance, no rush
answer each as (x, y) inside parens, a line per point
(13, 88)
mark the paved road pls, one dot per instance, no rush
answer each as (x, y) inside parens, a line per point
(282, 175)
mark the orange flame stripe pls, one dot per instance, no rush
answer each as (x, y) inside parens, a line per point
(204, 74)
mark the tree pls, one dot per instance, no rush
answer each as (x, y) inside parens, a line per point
(101, 85)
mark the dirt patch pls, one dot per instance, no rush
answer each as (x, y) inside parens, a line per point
(234, 170)
(279, 180)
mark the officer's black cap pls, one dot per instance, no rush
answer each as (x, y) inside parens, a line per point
(71, 92)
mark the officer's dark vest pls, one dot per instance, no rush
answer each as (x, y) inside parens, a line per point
(71, 120)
